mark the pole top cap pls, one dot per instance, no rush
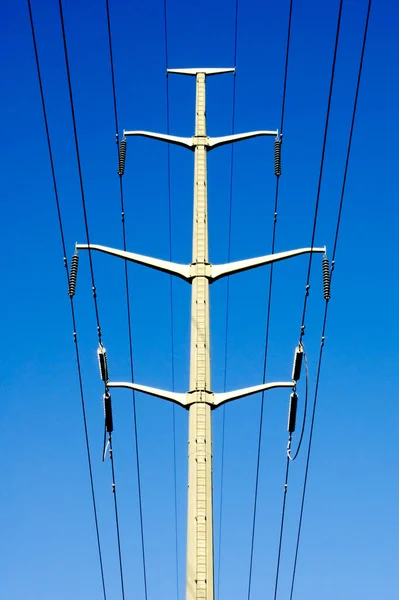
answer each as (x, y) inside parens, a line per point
(205, 70)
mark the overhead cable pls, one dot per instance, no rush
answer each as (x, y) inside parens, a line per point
(321, 170)
(289, 457)
(348, 154)
(227, 300)
(269, 298)
(121, 149)
(75, 338)
(86, 224)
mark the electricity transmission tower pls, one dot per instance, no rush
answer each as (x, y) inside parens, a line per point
(200, 400)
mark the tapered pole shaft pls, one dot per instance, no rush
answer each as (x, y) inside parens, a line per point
(199, 584)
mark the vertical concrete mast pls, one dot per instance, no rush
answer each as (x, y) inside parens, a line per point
(199, 524)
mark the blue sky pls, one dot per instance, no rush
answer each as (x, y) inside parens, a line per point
(349, 538)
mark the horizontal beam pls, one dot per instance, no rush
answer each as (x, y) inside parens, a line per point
(237, 137)
(207, 70)
(219, 271)
(187, 142)
(188, 272)
(249, 391)
(214, 400)
(165, 266)
(165, 394)
(209, 142)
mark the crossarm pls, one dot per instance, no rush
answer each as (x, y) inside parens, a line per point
(166, 266)
(219, 271)
(165, 394)
(163, 137)
(222, 398)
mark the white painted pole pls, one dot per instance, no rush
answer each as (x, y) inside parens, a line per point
(199, 578)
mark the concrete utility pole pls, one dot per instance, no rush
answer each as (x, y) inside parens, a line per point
(200, 399)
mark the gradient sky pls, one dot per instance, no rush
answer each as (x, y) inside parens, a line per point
(349, 548)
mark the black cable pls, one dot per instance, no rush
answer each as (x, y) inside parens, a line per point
(332, 78)
(227, 299)
(287, 474)
(280, 542)
(269, 300)
(118, 537)
(82, 399)
(327, 120)
(82, 192)
(327, 302)
(129, 321)
(172, 328)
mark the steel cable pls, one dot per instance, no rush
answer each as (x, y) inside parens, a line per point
(77, 354)
(227, 300)
(128, 306)
(348, 153)
(82, 193)
(269, 301)
(332, 78)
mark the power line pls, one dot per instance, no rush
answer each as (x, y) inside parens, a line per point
(77, 152)
(332, 78)
(327, 303)
(287, 474)
(269, 299)
(129, 321)
(118, 537)
(82, 399)
(227, 299)
(82, 193)
(321, 171)
(171, 299)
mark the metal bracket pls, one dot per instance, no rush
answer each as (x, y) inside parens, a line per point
(188, 272)
(187, 142)
(211, 398)
(166, 266)
(209, 142)
(219, 271)
(172, 396)
(237, 137)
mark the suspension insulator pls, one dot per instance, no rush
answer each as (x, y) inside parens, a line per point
(277, 156)
(297, 366)
(122, 157)
(73, 274)
(109, 422)
(102, 362)
(292, 412)
(326, 278)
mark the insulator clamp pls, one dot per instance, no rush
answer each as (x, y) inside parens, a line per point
(326, 278)
(122, 157)
(277, 156)
(109, 422)
(73, 274)
(297, 366)
(102, 362)
(292, 412)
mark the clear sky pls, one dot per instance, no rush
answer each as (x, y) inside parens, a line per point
(349, 548)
